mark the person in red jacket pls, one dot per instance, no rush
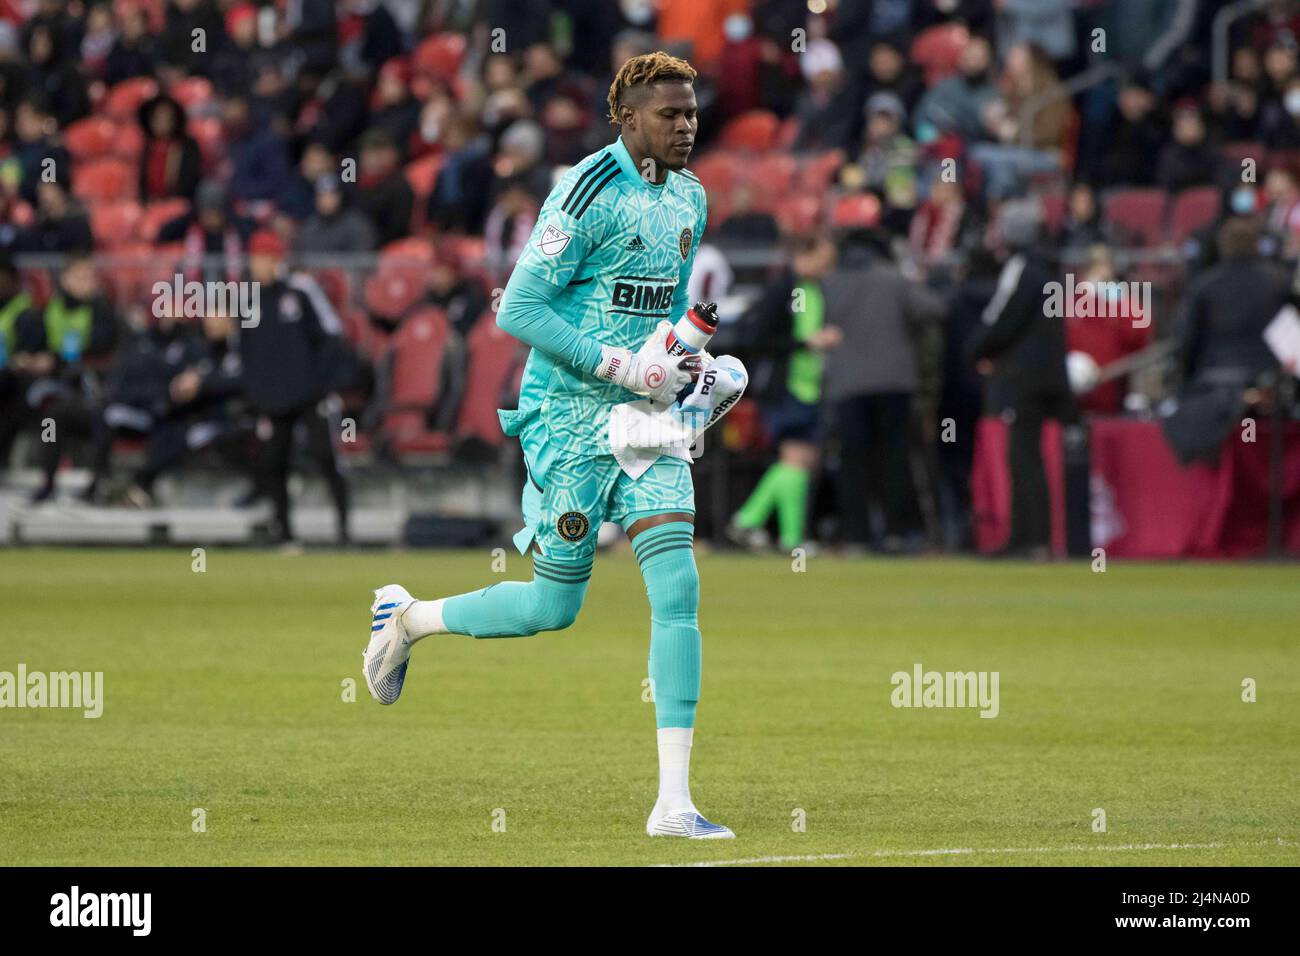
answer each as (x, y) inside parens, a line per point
(1106, 331)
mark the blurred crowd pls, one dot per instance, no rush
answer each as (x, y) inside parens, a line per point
(941, 160)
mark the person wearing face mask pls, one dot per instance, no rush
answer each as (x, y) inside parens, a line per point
(956, 103)
(700, 23)
(740, 67)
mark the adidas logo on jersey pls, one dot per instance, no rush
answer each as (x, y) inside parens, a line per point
(635, 245)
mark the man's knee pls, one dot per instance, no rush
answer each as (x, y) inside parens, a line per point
(673, 586)
(556, 610)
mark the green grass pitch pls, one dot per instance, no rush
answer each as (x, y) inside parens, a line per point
(224, 691)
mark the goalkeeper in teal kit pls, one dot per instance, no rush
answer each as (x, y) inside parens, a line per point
(602, 278)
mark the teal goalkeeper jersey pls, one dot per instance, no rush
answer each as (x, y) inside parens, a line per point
(619, 250)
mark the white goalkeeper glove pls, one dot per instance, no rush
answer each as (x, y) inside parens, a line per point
(650, 371)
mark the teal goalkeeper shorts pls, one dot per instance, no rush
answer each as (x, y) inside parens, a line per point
(567, 496)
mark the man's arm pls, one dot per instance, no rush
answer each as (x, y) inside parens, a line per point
(526, 314)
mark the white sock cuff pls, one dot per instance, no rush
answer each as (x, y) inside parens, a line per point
(423, 618)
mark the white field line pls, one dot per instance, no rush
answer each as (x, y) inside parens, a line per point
(974, 851)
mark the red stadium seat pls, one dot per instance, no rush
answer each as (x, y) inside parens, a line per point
(158, 213)
(103, 180)
(1137, 215)
(493, 355)
(772, 178)
(937, 50)
(755, 130)
(192, 92)
(129, 143)
(360, 331)
(818, 171)
(115, 223)
(393, 289)
(859, 211)
(415, 248)
(717, 172)
(1192, 211)
(417, 349)
(799, 213)
(439, 55)
(336, 286)
(411, 436)
(90, 138)
(124, 99)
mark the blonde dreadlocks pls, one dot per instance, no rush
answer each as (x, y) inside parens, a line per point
(646, 70)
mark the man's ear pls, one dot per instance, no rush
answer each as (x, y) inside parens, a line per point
(626, 116)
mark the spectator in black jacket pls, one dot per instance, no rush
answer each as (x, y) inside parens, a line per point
(176, 44)
(1189, 160)
(383, 192)
(1024, 348)
(189, 383)
(53, 73)
(1223, 352)
(36, 147)
(293, 360)
(135, 52)
(61, 224)
(1132, 141)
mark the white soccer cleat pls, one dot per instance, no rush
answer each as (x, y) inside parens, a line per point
(384, 661)
(686, 823)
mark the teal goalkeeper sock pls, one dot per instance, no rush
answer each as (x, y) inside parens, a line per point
(549, 602)
(672, 584)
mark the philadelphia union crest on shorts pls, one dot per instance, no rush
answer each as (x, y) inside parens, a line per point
(684, 243)
(573, 526)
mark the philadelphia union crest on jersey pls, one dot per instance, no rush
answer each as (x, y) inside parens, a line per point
(573, 526)
(684, 243)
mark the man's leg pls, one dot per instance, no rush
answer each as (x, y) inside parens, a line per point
(662, 536)
(321, 429)
(277, 447)
(561, 538)
(549, 602)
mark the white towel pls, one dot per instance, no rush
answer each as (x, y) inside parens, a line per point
(639, 433)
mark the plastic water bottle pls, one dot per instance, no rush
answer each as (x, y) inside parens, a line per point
(693, 330)
(71, 350)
